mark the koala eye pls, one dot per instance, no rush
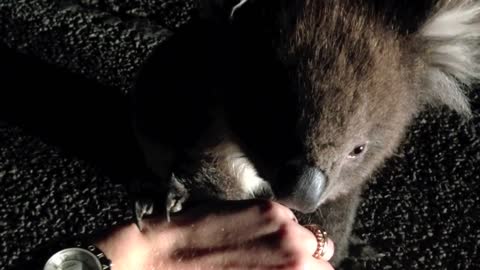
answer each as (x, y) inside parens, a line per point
(357, 151)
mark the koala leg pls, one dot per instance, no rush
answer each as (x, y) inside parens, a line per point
(337, 218)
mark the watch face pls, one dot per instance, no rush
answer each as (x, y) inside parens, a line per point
(73, 259)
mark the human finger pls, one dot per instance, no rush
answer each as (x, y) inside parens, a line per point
(319, 245)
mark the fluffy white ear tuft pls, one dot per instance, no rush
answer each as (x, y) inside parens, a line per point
(451, 37)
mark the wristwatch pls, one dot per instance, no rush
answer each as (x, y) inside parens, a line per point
(79, 256)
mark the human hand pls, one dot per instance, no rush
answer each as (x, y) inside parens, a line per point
(235, 235)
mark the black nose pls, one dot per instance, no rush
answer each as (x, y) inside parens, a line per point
(300, 187)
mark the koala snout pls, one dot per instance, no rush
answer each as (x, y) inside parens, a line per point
(300, 187)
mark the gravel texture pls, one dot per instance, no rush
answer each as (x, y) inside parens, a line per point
(103, 40)
(47, 195)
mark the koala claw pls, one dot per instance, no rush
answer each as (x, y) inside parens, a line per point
(237, 6)
(142, 208)
(177, 195)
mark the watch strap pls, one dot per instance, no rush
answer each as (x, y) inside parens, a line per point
(89, 246)
(37, 259)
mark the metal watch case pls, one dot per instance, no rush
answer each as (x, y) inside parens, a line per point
(79, 257)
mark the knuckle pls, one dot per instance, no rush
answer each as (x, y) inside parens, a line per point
(288, 238)
(298, 263)
(265, 206)
(291, 246)
(290, 233)
(273, 211)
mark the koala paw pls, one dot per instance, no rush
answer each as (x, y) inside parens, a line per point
(149, 193)
(144, 192)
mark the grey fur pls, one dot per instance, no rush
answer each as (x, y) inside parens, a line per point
(302, 80)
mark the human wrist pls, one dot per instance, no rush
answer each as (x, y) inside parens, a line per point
(126, 247)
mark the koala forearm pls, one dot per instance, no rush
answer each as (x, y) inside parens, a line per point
(337, 218)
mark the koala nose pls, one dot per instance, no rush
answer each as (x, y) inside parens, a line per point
(299, 187)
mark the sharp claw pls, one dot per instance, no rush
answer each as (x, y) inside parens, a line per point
(237, 6)
(142, 208)
(144, 190)
(167, 212)
(176, 196)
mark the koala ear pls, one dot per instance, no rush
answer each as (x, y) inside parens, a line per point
(451, 50)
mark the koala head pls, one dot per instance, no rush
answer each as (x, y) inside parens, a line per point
(320, 93)
(327, 89)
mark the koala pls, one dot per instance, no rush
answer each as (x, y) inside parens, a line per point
(297, 101)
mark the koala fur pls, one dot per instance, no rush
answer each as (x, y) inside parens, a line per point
(299, 101)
